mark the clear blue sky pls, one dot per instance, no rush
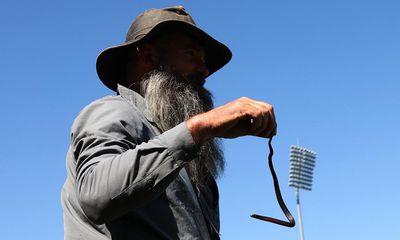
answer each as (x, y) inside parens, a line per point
(330, 68)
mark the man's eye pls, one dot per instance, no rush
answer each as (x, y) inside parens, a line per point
(190, 53)
(194, 54)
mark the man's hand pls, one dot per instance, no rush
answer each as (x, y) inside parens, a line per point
(241, 117)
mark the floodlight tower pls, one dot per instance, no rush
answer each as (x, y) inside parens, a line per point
(302, 163)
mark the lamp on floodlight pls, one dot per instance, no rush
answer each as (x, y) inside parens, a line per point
(302, 163)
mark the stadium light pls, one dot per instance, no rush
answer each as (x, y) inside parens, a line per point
(302, 163)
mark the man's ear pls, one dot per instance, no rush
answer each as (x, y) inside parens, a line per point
(149, 55)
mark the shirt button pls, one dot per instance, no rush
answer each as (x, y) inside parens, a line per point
(150, 183)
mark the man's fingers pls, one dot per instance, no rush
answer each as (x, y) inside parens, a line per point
(267, 129)
(263, 119)
(258, 124)
(268, 132)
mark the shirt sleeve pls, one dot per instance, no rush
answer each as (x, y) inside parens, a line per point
(118, 166)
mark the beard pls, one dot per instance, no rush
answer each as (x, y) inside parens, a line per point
(173, 99)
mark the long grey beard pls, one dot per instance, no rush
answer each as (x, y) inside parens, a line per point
(172, 100)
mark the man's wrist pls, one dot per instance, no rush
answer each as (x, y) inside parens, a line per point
(198, 129)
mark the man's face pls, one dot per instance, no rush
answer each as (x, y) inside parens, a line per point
(184, 56)
(174, 92)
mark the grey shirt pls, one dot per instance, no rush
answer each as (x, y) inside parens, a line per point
(126, 179)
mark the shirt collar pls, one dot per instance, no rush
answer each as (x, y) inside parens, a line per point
(136, 99)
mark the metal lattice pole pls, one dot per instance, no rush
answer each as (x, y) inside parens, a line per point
(302, 163)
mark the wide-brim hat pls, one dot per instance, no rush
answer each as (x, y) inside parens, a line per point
(111, 63)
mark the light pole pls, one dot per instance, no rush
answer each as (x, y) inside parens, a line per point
(302, 163)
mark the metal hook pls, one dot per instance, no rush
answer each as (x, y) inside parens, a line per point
(278, 194)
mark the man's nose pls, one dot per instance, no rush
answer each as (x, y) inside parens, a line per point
(202, 69)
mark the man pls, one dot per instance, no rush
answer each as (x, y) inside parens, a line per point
(142, 164)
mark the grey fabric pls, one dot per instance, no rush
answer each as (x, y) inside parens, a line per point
(123, 177)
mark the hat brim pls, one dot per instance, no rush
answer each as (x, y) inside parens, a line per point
(111, 63)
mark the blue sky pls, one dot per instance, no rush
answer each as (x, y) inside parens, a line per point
(330, 68)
